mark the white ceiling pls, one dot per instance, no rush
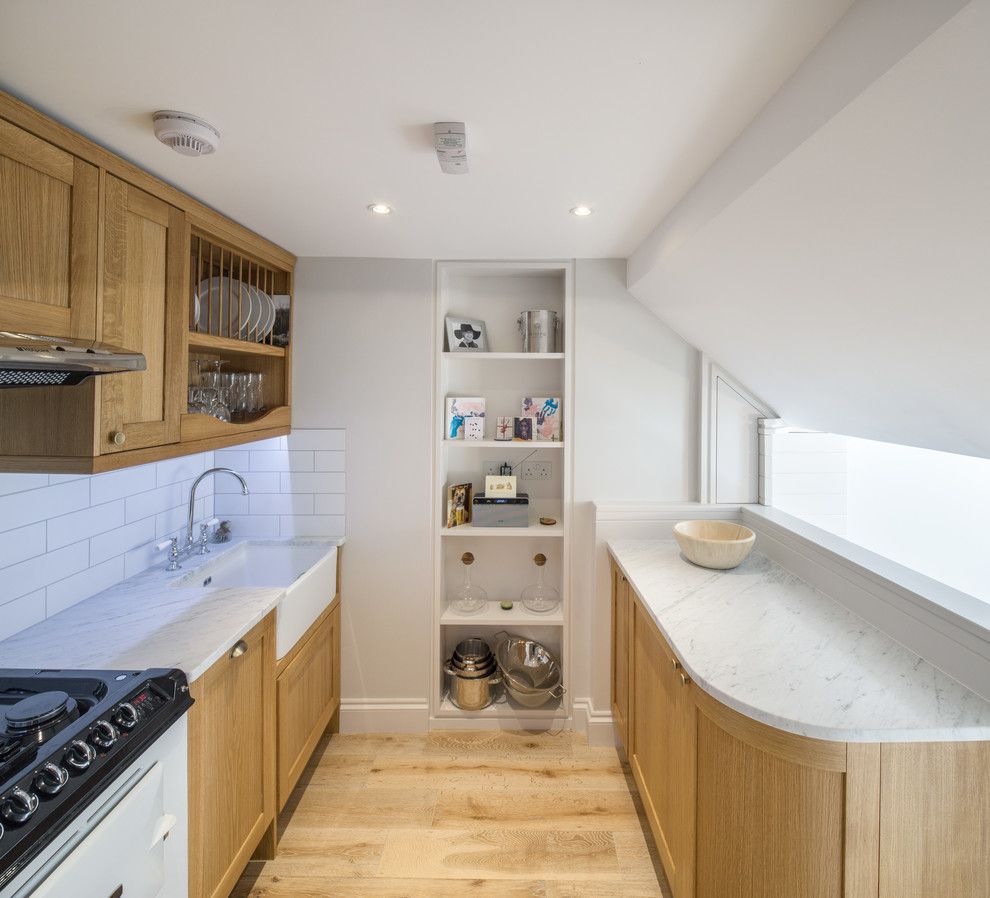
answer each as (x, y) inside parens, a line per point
(325, 107)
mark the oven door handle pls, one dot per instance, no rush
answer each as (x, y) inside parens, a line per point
(164, 827)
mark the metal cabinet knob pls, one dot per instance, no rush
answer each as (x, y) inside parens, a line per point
(118, 438)
(240, 648)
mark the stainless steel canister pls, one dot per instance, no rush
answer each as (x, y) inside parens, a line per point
(539, 329)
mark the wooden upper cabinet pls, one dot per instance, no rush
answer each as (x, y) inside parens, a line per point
(49, 214)
(144, 283)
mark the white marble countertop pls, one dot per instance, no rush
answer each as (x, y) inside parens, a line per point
(762, 641)
(145, 622)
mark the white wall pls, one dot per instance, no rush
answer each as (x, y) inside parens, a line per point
(926, 510)
(363, 361)
(64, 538)
(635, 438)
(836, 259)
(296, 484)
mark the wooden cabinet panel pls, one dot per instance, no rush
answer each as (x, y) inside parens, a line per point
(143, 301)
(620, 654)
(49, 207)
(769, 823)
(231, 762)
(662, 749)
(935, 820)
(308, 697)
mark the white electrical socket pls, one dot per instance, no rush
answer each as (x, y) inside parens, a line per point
(493, 468)
(536, 470)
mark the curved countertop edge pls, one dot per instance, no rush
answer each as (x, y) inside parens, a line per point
(214, 618)
(790, 725)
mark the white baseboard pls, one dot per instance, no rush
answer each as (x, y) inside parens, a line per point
(596, 725)
(384, 715)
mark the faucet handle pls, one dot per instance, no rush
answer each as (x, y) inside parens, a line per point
(166, 543)
(173, 554)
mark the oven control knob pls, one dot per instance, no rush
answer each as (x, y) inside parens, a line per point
(104, 734)
(79, 755)
(18, 805)
(51, 779)
(126, 717)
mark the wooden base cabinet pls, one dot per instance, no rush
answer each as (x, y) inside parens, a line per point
(740, 809)
(621, 621)
(308, 689)
(231, 762)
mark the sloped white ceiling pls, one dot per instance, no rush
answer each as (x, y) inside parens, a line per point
(326, 106)
(849, 286)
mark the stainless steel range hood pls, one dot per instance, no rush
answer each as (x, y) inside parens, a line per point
(32, 360)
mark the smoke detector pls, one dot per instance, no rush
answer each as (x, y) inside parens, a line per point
(450, 140)
(185, 133)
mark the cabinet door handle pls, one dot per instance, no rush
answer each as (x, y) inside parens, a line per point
(240, 648)
(675, 664)
(685, 679)
(118, 438)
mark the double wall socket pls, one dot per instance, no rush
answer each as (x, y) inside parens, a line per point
(529, 470)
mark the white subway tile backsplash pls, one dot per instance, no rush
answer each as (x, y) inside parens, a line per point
(258, 482)
(302, 482)
(311, 525)
(281, 503)
(282, 461)
(66, 593)
(316, 439)
(22, 543)
(121, 540)
(254, 525)
(119, 484)
(33, 574)
(144, 505)
(226, 504)
(70, 528)
(20, 508)
(66, 537)
(16, 483)
(329, 461)
(329, 503)
(22, 613)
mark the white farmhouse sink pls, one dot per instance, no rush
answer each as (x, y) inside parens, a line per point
(307, 572)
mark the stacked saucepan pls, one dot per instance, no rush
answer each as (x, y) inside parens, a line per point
(530, 672)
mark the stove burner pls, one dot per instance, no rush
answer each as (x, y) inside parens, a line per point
(38, 711)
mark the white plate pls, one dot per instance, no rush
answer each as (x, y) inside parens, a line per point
(254, 309)
(208, 295)
(268, 316)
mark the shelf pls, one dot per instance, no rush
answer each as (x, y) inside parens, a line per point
(493, 616)
(507, 709)
(535, 529)
(202, 427)
(212, 342)
(504, 444)
(506, 356)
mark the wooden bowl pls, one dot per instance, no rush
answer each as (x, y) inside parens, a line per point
(719, 545)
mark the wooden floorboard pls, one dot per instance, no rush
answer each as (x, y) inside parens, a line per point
(488, 813)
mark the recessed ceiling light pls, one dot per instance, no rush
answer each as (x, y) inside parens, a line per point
(380, 208)
(582, 210)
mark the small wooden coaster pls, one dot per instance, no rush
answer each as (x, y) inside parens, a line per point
(548, 522)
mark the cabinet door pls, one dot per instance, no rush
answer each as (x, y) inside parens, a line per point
(49, 207)
(144, 287)
(620, 655)
(231, 762)
(771, 811)
(662, 752)
(308, 697)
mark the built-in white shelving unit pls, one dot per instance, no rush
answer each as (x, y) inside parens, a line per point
(496, 293)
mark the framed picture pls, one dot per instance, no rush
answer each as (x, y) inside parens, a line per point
(460, 408)
(522, 429)
(280, 330)
(500, 486)
(466, 335)
(458, 504)
(503, 428)
(545, 412)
